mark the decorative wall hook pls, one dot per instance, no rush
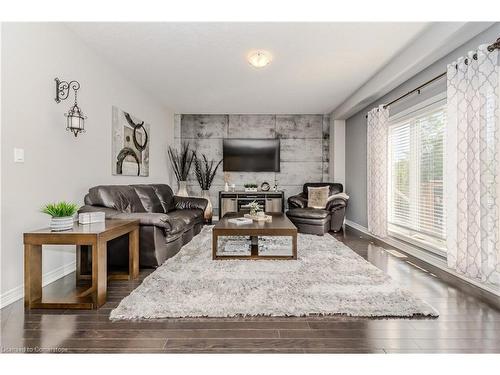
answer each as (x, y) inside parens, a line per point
(63, 87)
(75, 119)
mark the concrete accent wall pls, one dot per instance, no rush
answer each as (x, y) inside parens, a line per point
(355, 143)
(305, 145)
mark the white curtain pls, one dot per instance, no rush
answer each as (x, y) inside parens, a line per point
(377, 171)
(472, 166)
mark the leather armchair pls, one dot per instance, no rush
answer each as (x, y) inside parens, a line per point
(317, 221)
(167, 222)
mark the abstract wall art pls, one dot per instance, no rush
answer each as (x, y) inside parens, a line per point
(130, 144)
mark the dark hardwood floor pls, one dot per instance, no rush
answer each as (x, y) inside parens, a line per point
(469, 322)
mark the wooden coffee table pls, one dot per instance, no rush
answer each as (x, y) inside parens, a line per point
(94, 235)
(280, 226)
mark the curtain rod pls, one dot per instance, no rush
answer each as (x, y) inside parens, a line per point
(490, 48)
(416, 89)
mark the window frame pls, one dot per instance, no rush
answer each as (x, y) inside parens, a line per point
(399, 119)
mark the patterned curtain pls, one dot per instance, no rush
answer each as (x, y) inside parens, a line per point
(377, 171)
(472, 166)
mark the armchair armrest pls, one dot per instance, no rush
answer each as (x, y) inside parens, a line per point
(337, 202)
(190, 203)
(297, 201)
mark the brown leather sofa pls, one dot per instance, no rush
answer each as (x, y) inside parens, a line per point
(167, 221)
(313, 220)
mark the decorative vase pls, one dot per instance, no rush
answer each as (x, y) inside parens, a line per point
(58, 224)
(226, 187)
(182, 192)
(208, 214)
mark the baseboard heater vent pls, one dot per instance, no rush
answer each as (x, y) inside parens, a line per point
(397, 254)
(414, 265)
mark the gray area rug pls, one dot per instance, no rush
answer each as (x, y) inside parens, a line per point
(327, 278)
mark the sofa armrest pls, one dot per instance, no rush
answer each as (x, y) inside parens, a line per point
(109, 213)
(297, 201)
(148, 218)
(145, 218)
(190, 203)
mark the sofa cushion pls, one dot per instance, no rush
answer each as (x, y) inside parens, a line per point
(190, 217)
(149, 198)
(310, 217)
(165, 195)
(122, 198)
(178, 226)
(308, 213)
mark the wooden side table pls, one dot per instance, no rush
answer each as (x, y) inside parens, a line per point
(94, 235)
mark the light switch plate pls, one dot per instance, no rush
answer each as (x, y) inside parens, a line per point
(18, 155)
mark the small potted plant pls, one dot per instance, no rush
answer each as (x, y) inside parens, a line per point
(205, 174)
(62, 215)
(250, 187)
(254, 208)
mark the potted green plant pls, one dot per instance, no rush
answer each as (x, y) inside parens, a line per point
(205, 174)
(250, 187)
(181, 163)
(62, 214)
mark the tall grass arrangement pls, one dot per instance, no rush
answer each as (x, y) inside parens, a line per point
(181, 161)
(205, 171)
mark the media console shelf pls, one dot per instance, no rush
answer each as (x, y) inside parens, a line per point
(235, 201)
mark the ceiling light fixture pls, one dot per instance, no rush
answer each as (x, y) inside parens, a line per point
(259, 59)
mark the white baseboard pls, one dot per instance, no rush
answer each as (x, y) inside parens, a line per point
(425, 256)
(412, 250)
(17, 293)
(357, 226)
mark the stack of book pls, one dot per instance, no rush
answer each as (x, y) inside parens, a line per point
(240, 221)
(262, 218)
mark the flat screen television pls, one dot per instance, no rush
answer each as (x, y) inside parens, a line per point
(251, 155)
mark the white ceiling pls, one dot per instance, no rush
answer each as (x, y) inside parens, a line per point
(202, 67)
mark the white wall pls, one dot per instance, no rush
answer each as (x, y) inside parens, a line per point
(339, 151)
(57, 165)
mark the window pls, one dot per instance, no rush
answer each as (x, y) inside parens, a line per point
(416, 192)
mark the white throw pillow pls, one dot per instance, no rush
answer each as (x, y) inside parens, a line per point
(317, 197)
